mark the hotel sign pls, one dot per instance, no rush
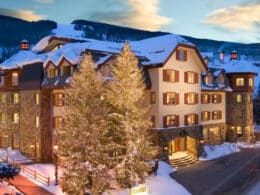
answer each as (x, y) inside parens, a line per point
(139, 190)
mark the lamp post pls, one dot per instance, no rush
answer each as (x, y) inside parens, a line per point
(55, 158)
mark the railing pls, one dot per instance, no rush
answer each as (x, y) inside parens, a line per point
(36, 175)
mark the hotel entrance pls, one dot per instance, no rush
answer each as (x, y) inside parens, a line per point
(182, 145)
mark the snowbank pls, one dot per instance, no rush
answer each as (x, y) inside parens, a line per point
(213, 152)
(13, 155)
(162, 184)
(248, 145)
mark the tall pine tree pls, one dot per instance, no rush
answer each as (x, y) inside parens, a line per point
(81, 136)
(128, 121)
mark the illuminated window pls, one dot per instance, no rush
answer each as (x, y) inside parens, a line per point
(239, 131)
(249, 98)
(205, 133)
(37, 121)
(205, 98)
(191, 119)
(3, 98)
(57, 121)
(190, 77)
(191, 98)
(152, 98)
(208, 79)
(152, 119)
(205, 116)
(37, 98)
(15, 79)
(239, 98)
(59, 99)
(16, 98)
(216, 115)
(216, 98)
(251, 82)
(170, 75)
(170, 98)
(171, 121)
(16, 117)
(3, 117)
(51, 73)
(240, 82)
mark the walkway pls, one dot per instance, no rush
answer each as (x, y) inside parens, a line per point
(227, 175)
(26, 186)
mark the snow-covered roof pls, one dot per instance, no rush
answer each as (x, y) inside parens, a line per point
(158, 49)
(23, 57)
(207, 54)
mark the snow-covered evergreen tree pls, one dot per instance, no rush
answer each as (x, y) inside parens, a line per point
(81, 136)
(128, 121)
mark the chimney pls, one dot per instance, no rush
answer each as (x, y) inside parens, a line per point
(233, 55)
(221, 55)
(24, 45)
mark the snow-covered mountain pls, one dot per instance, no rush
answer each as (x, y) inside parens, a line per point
(13, 30)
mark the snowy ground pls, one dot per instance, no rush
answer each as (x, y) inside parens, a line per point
(213, 152)
(12, 155)
(162, 184)
(217, 151)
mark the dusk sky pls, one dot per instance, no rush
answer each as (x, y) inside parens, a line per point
(229, 20)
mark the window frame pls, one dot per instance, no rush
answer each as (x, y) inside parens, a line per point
(203, 101)
(186, 98)
(16, 98)
(181, 55)
(16, 117)
(187, 76)
(216, 115)
(217, 99)
(195, 119)
(166, 76)
(240, 82)
(174, 118)
(203, 116)
(166, 98)
(152, 97)
(15, 79)
(58, 99)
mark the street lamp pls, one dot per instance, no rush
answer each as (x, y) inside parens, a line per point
(55, 158)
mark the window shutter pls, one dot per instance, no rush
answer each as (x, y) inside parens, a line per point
(202, 116)
(208, 98)
(219, 115)
(185, 77)
(177, 120)
(164, 121)
(177, 76)
(186, 120)
(177, 98)
(164, 98)
(165, 76)
(196, 119)
(177, 54)
(196, 98)
(185, 98)
(63, 99)
(185, 55)
(196, 78)
(219, 98)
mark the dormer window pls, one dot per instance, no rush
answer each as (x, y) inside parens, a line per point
(208, 79)
(105, 70)
(51, 73)
(15, 79)
(66, 70)
(181, 55)
(221, 80)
